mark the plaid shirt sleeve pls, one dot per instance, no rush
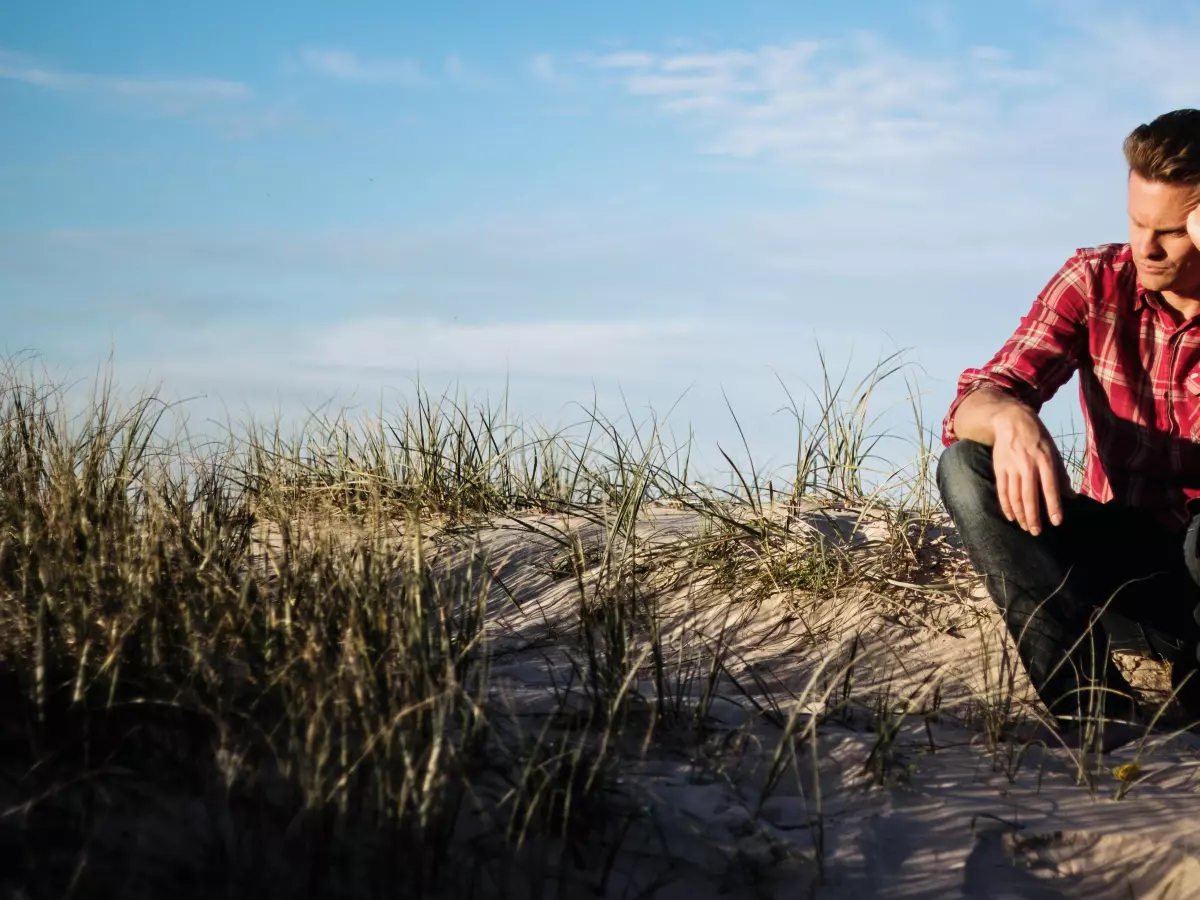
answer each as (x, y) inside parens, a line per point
(1043, 352)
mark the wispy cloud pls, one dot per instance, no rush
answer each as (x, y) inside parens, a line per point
(1129, 56)
(457, 72)
(841, 102)
(245, 124)
(175, 95)
(545, 69)
(681, 372)
(856, 106)
(626, 60)
(547, 348)
(936, 16)
(345, 65)
(348, 66)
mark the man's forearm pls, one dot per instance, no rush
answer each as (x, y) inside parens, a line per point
(975, 418)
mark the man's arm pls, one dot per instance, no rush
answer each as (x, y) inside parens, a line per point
(978, 413)
(1027, 463)
(998, 404)
(1193, 226)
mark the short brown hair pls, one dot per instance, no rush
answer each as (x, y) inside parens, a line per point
(1167, 149)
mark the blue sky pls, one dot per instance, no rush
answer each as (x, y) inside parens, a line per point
(269, 205)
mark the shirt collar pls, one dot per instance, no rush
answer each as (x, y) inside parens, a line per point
(1143, 297)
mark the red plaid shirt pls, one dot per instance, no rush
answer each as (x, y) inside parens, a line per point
(1139, 379)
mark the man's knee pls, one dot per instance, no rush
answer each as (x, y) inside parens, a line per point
(1191, 551)
(966, 477)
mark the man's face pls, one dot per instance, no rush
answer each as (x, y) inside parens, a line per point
(1164, 253)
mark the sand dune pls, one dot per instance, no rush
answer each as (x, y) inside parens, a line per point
(938, 811)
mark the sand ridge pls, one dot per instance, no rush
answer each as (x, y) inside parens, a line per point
(942, 816)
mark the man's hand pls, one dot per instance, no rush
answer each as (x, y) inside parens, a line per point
(1193, 226)
(1028, 468)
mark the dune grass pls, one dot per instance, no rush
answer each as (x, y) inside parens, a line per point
(264, 667)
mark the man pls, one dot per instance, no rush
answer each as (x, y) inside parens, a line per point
(1126, 318)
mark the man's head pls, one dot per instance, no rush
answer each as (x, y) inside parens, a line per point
(1164, 187)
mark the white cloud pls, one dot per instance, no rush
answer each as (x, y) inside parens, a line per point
(247, 124)
(855, 110)
(625, 60)
(992, 54)
(1128, 57)
(175, 95)
(545, 69)
(546, 348)
(550, 372)
(348, 66)
(459, 73)
(937, 18)
(344, 65)
(836, 102)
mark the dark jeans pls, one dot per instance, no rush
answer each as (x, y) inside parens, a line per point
(1109, 576)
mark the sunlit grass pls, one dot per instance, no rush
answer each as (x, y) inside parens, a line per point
(264, 666)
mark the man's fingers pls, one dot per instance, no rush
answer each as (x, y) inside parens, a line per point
(1012, 500)
(1016, 497)
(1015, 502)
(1050, 488)
(1030, 489)
(1002, 482)
(1021, 491)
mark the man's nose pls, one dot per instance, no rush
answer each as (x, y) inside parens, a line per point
(1149, 248)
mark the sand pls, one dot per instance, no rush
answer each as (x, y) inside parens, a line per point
(938, 814)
